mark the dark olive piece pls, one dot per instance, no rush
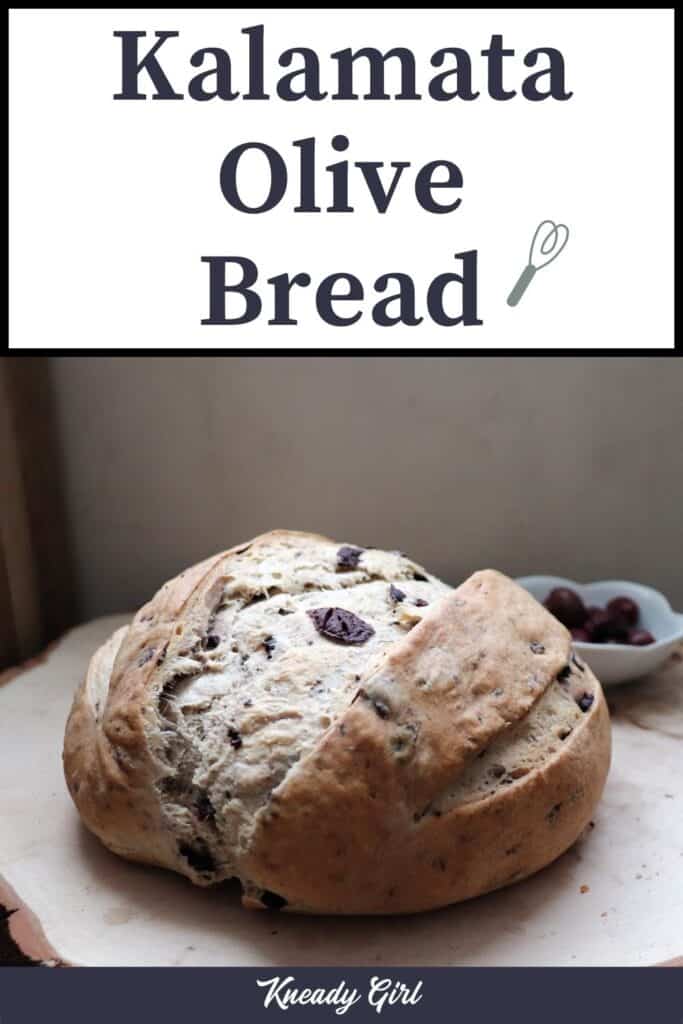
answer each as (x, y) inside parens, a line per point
(640, 638)
(624, 608)
(567, 606)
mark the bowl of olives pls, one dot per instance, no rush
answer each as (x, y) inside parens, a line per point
(623, 630)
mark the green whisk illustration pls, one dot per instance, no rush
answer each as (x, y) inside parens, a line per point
(544, 249)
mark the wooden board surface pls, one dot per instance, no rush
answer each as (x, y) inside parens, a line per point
(616, 898)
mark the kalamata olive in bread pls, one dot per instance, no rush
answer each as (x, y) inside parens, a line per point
(566, 605)
(624, 608)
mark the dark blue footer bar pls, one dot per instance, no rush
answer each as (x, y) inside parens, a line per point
(458, 995)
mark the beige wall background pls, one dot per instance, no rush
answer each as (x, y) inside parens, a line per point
(571, 466)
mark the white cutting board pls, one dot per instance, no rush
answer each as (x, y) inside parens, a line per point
(82, 905)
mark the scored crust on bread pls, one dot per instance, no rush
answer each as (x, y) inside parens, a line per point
(339, 729)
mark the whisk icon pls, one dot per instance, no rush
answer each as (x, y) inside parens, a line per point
(545, 247)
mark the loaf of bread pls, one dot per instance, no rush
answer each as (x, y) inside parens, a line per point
(338, 729)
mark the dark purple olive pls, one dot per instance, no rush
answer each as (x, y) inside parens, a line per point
(580, 635)
(624, 608)
(617, 630)
(567, 606)
(640, 638)
(591, 610)
(597, 625)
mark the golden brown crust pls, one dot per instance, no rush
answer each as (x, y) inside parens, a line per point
(463, 675)
(124, 816)
(359, 825)
(110, 765)
(352, 829)
(334, 848)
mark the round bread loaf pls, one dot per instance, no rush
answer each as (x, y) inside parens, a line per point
(338, 729)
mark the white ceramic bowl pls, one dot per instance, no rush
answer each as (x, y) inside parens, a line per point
(617, 663)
